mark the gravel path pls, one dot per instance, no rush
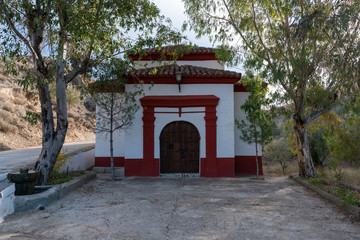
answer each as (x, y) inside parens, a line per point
(155, 208)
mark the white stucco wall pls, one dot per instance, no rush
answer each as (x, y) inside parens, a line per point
(102, 142)
(208, 64)
(225, 122)
(242, 148)
(81, 161)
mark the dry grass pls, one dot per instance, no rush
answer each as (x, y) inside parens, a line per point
(349, 174)
(7, 127)
(21, 111)
(5, 114)
(3, 98)
(352, 175)
(8, 107)
(19, 100)
(31, 107)
(274, 169)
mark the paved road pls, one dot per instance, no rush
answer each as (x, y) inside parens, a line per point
(15, 159)
(198, 208)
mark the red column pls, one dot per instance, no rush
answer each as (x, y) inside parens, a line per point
(149, 166)
(210, 164)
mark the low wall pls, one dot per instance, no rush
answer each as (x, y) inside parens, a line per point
(81, 161)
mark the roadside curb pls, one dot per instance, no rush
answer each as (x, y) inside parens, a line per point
(35, 201)
(352, 211)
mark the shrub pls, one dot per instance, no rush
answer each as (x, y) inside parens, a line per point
(8, 107)
(278, 150)
(21, 111)
(19, 100)
(61, 161)
(7, 127)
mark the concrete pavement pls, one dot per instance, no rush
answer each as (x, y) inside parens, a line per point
(15, 159)
(184, 208)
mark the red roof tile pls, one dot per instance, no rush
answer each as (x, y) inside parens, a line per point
(169, 52)
(187, 71)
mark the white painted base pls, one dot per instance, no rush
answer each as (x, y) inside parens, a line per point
(81, 161)
(7, 201)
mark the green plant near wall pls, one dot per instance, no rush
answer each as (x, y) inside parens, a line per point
(61, 161)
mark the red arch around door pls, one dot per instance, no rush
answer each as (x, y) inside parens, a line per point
(149, 166)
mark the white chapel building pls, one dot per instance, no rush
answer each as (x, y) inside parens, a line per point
(186, 122)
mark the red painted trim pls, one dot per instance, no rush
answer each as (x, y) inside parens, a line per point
(135, 167)
(149, 165)
(247, 165)
(239, 87)
(210, 166)
(132, 167)
(188, 57)
(226, 167)
(180, 101)
(106, 162)
(186, 80)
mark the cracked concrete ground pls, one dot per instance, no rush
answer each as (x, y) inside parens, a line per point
(198, 208)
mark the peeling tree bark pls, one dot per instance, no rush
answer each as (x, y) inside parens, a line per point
(306, 166)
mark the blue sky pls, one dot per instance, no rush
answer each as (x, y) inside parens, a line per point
(175, 10)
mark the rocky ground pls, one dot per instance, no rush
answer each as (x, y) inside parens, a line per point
(198, 208)
(16, 132)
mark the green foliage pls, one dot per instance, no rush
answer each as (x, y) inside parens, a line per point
(347, 194)
(32, 117)
(278, 150)
(72, 94)
(309, 50)
(257, 128)
(344, 140)
(59, 178)
(61, 161)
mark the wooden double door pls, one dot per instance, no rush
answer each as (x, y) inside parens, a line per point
(179, 148)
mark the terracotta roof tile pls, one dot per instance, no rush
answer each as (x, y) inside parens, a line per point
(187, 71)
(186, 50)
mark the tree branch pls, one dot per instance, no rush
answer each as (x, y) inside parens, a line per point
(12, 26)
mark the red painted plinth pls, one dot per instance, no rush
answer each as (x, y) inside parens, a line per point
(106, 162)
(224, 167)
(137, 167)
(247, 165)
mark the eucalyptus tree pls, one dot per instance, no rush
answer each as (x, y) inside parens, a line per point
(308, 49)
(65, 38)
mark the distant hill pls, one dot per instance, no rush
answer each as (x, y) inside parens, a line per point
(16, 132)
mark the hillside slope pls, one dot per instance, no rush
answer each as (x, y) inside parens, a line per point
(16, 132)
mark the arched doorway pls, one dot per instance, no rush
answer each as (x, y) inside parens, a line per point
(179, 148)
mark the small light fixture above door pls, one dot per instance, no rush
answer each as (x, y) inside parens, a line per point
(178, 77)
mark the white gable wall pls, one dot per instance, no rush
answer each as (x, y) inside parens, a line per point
(242, 148)
(225, 122)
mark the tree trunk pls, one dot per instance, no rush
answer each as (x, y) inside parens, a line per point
(257, 161)
(52, 140)
(111, 137)
(306, 166)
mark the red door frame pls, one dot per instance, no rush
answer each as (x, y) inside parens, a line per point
(149, 166)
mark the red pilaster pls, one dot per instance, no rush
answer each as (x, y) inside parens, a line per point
(210, 166)
(148, 165)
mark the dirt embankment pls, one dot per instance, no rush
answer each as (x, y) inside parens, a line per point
(17, 132)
